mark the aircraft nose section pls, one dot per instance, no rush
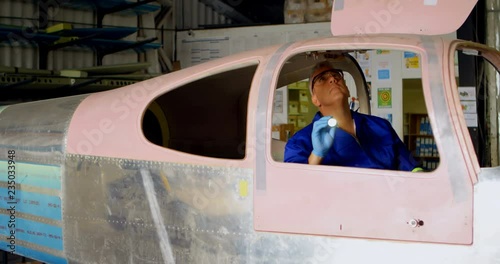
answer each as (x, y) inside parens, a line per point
(37, 130)
(32, 153)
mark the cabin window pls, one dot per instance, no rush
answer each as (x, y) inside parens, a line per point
(382, 83)
(341, 199)
(206, 117)
(478, 83)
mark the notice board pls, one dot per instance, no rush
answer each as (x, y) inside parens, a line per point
(197, 46)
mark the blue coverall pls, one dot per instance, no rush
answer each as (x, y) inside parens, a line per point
(377, 146)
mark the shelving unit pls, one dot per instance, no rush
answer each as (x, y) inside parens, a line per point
(97, 40)
(300, 109)
(103, 41)
(104, 7)
(420, 140)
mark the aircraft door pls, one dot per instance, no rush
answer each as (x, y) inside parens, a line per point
(364, 202)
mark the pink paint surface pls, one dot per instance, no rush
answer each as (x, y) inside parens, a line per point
(366, 203)
(299, 198)
(108, 124)
(399, 17)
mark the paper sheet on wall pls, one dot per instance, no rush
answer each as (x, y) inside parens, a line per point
(471, 120)
(467, 93)
(384, 71)
(384, 97)
(412, 60)
(364, 61)
(278, 102)
(383, 52)
(467, 96)
(469, 107)
(204, 49)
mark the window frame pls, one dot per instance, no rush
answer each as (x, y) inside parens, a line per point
(287, 189)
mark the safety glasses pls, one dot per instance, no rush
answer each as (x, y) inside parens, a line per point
(324, 76)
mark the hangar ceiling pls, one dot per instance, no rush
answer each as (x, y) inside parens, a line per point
(206, 14)
(249, 12)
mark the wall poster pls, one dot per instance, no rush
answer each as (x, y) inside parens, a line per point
(384, 97)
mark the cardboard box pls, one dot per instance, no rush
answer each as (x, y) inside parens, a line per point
(292, 120)
(275, 132)
(295, 4)
(293, 107)
(286, 131)
(318, 10)
(292, 86)
(304, 107)
(318, 15)
(303, 85)
(295, 16)
(304, 96)
(294, 11)
(301, 122)
(318, 4)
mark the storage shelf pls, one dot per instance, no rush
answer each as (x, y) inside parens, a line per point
(129, 8)
(420, 135)
(418, 143)
(92, 39)
(97, 33)
(100, 41)
(107, 7)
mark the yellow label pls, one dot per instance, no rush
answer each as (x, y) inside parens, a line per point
(243, 188)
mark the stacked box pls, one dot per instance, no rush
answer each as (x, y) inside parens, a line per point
(430, 165)
(293, 108)
(303, 96)
(318, 10)
(426, 147)
(295, 11)
(300, 11)
(301, 122)
(425, 126)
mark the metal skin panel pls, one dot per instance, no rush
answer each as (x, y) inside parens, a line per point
(487, 216)
(37, 130)
(32, 139)
(129, 211)
(182, 208)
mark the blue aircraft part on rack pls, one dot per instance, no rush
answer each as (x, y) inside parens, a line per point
(25, 36)
(109, 4)
(17, 35)
(106, 44)
(99, 33)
